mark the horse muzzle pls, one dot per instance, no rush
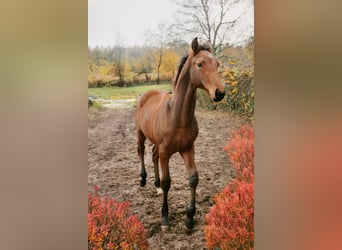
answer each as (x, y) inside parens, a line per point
(218, 95)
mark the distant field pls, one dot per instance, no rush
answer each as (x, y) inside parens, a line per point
(125, 92)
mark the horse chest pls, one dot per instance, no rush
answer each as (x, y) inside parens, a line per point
(183, 139)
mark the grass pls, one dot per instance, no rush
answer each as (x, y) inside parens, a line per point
(131, 92)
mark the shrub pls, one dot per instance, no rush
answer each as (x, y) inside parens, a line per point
(203, 100)
(230, 222)
(240, 88)
(99, 81)
(240, 150)
(110, 226)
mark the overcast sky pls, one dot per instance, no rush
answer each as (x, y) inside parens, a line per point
(130, 18)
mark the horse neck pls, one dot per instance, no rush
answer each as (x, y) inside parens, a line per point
(184, 98)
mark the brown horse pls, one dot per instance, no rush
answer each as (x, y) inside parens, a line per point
(169, 122)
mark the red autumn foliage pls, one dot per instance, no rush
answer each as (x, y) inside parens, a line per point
(230, 222)
(240, 150)
(110, 225)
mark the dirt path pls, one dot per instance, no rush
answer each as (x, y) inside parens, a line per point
(113, 165)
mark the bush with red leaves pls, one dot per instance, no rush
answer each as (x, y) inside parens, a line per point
(230, 222)
(110, 226)
(240, 150)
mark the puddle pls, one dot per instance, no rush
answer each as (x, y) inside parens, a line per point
(118, 104)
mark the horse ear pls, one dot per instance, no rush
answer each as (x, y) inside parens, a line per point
(194, 46)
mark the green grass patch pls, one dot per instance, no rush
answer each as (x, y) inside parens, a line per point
(131, 92)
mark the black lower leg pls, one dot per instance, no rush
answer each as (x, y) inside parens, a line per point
(157, 182)
(143, 174)
(165, 185)
(155, 159)
(191, 210)
(165, 213)
(189, 221)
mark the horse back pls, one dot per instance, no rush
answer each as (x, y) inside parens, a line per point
(151, 97)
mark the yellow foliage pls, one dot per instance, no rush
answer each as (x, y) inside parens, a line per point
(106, 69)
(169, 62)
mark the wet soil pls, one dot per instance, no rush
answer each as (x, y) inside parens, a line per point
(113, 165)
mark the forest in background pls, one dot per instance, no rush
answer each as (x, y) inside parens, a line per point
(119, 66)
(125, 66)
(157, 61)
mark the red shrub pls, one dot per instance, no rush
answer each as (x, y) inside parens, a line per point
(110, 226)
(240, 150)
(230, 222)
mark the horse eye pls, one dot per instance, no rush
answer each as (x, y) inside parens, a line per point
(199, 65)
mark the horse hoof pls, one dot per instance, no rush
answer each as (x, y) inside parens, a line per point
(189, 223)
(142, 183)
(157, 183)
(159, 191)
(165, 224)
(165, 228)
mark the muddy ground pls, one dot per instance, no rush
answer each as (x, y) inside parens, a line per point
(113, 165)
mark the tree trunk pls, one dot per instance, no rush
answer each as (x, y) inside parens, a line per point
(160, 62)
(158, 74)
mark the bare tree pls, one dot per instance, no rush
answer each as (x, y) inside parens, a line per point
(158, 59)
(210, 19)
(119, 59)
(157, 39)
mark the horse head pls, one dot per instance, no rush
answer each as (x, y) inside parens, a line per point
(204, 70)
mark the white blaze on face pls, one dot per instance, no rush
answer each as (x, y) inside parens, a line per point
(210, 56)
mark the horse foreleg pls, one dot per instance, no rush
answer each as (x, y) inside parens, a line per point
(165, 184)
(188, 157)
(141, 152)
(155, 159)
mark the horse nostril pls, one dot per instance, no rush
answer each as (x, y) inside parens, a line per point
(218, 95)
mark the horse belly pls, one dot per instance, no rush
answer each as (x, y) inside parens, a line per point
(148, 109)
(147, 127)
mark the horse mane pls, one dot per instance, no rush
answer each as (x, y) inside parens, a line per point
(205, 46)
(180, 67)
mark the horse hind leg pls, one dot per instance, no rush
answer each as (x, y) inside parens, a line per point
(155, 159)
(165, 184)
(141, 152)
